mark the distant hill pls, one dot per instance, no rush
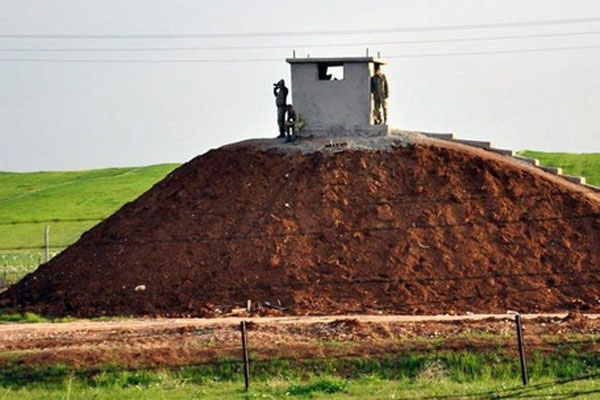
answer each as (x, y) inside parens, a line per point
(587, 164)
(91, 195)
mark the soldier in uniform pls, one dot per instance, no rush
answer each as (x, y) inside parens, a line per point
(293, 124)
(280, 92)
(380, 91)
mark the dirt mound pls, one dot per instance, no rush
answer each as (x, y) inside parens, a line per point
(420, 228)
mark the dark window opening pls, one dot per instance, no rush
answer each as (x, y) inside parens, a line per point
(331, 72)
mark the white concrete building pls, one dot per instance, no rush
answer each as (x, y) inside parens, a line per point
(333, 95)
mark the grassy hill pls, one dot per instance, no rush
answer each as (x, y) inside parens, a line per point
(41, 196)
(92, 195)
(587, 164)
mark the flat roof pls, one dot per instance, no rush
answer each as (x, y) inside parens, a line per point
(340, 60)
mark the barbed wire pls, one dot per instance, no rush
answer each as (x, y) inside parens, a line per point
(396, 281)
(341, 231)
(258, 357)
(399, 199)
(436, 299)
(51, 220)
(395, 305)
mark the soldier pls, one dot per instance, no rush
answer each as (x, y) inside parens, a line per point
(380, 91)
(293, 124)
(280, 92)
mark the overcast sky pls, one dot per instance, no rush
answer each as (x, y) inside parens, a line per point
(63, 116)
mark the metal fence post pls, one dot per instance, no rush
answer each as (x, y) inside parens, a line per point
(245, 356)
(521, 350)
(47, 243)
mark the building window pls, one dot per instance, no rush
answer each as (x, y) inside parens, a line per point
(331, 72)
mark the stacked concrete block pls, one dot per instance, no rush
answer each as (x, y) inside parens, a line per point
(451, 137)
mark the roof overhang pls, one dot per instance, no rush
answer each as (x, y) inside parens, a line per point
(336, 60)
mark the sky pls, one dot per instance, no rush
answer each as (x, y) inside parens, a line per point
(83, 115)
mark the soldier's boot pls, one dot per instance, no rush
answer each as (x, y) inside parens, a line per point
(378, 117)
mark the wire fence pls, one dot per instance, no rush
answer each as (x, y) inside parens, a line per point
(264, 357)
(244, 352)
(18, 260)
(15, 261)
(249, 209)
(247, 356)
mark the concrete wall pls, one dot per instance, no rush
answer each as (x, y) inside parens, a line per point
(339, 104)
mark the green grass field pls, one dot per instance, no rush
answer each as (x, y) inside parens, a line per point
(443, 375)
(587, 164)
(40, 196)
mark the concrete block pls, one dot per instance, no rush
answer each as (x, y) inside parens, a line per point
(510, 153)
(474, 143)
(552, 170)
(443, 136)
(592, 187)
(575, 179)
(533, 161)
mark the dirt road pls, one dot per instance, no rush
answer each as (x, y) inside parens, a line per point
(172, 323)
(178, 341)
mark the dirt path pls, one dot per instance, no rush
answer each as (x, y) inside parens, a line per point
(178, 341)
(173, 323)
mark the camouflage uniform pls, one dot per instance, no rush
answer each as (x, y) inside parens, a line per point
(290, 122)
(293, 124)
(280, 92)
(380, 91)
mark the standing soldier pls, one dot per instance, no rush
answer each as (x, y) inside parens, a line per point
(380, 91)
(280, 92)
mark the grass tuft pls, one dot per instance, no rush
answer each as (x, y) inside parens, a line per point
(322, 385)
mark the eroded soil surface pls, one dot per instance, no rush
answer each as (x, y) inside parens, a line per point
(418, 228)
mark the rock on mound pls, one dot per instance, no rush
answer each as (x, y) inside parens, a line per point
(420, 228)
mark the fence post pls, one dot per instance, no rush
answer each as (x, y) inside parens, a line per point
(47, 243)
(521, 350)
(245, 356)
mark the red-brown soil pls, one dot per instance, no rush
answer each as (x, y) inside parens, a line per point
(190, 341)
(421, 229)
